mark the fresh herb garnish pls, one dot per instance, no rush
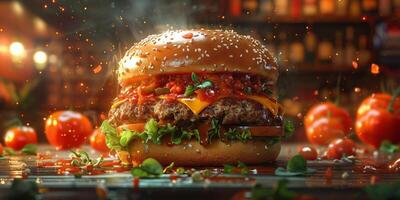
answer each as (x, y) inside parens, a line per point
(236, 134)
(214, 131)
(190, 89)
(247, 90)
(29, 149)
(229, 169)
(82, 159)
(149, 168)
(388, 147)
(168, 168)
(288, 128)
(296, 166)
(280, 191)
(266, 89)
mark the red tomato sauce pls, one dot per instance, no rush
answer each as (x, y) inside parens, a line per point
(235, 84)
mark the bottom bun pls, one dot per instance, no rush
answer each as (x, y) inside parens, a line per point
(215, 154)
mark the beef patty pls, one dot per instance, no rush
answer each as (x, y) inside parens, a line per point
(228, 110)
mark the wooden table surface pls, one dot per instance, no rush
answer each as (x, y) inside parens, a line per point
(347, 181)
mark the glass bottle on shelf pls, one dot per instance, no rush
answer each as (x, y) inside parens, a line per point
(296, 52)
(250, 7)
(349, 51)
(266, 7)
(295, 8)
(281, 7)
(363, 53)
(325, 51)
(355, 9)
(282, 51)
(369, 6)
(385, 7)
(327, 7)
(338, 57)
(310, 41)
(342, 7)
(235, 8)
(310, 7)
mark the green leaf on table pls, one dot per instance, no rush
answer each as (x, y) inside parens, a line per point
(296, 166)
(228, 169)
(138, 172)
(389, 147)
(280, 171)
(9, 151)
(29, 149)
(152, 166)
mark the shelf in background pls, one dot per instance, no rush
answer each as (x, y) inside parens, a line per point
(291, 19)
(320, 68)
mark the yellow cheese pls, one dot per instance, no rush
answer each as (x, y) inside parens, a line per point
(267, 103)
(196, 105)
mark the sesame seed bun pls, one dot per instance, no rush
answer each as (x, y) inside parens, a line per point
(197, 50)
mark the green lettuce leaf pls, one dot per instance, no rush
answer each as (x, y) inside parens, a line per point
(112, 139)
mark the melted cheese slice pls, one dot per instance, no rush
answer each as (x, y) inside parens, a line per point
(196, 105)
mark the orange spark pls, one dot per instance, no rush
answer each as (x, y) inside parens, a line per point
(374, 68)
(354, 64)
(97, 69)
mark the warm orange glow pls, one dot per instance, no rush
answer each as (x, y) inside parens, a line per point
(357, 90)
(354, 64)
(374, 68)
(97, 69)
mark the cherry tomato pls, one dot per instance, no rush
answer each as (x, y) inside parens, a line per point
(67, 129)
(325, 122)
(18, 137)
(98, 141)
(375, 123)
(309, 153)
(325, 130)
(341, 147)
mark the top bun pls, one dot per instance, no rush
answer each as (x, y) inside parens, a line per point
(197, 50)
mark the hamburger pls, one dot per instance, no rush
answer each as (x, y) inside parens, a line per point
(196, 97)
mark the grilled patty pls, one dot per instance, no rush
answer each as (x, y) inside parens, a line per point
(229, 111)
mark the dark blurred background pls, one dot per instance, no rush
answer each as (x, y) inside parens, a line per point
(60, 54)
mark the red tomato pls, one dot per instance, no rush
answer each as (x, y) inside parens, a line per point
(98, 141)
(309, 153)
(67, 129)
(341, 147)
(375, 123)
(325, 122)
(1, 149)
(18, 137)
